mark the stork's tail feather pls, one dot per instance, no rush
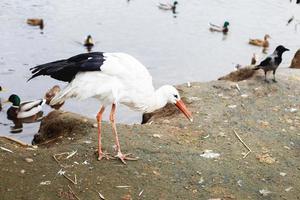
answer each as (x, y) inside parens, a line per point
(47, 69)
(257, 67)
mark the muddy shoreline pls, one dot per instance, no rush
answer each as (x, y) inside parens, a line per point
(173, 159)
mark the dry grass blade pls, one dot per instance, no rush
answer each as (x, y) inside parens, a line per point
(123, 186)
(101, 196)
(72, 192)
(16, 141)
(5, 149)
(240, 139)
(75, 179)
(71, 154)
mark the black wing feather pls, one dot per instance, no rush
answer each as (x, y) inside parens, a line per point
(65, 70)
(265, 62)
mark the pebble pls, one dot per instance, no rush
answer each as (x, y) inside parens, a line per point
(282, 174)
(166, 121)
(291, 110)
(210, 154)
(201, 180)
(45, 183)
(239, 182)
(22, 171)
(264, 192)
(288, 189)
(29, 160)
(232, 106)
(156, 135)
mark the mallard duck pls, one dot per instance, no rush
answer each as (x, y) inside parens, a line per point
(36, 22)
(50, 94)
(168, 6)
(262, 43)
(24, 110)
(224, 29)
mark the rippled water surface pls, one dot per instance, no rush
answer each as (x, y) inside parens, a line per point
(175, 48)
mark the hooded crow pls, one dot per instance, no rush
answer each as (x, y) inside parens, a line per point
(272, 62)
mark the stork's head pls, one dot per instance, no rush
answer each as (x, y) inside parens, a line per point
(172, 95)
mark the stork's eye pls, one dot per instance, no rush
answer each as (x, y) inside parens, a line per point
(176, 96)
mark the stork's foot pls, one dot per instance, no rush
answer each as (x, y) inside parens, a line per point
(124, 157)
(274, 80)
(267, 81)
(105, 155)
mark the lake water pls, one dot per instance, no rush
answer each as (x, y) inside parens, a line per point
(175, 48)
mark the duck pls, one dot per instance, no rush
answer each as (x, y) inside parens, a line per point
(216, 28)
(36, 22)
(50, 94)
(25, 110)
(262, 43)
(253, 59)
(1, 90)
(168, 6)
(88, 41)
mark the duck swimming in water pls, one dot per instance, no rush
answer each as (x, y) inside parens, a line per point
(36, 22)
(262, 43)
(88, 43)
(216, 28)
(24, 110)
(168, 6)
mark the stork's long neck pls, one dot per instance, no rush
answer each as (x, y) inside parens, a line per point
(157, 100)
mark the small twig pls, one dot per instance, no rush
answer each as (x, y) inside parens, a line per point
(75, 179)
(5, 149)
(123, 186)
(56, 160)
(246, 154)
(71, 154)
(141, 192)
(72, 192)
(48, 141)
(100, 195)
(238, 87)
(240, 139)
(16, 141)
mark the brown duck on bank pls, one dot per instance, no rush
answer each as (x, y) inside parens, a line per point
(50, 94)
(36, 22)
(262, 43)
(253, 59)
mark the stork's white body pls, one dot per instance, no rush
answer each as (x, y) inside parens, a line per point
(122, 79)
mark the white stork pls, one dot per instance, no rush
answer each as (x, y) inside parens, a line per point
(112, 78)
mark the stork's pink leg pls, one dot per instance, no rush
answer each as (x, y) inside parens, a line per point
(99, 119)
(119, 155)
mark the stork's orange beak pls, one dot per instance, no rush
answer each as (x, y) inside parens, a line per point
(184, 110)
